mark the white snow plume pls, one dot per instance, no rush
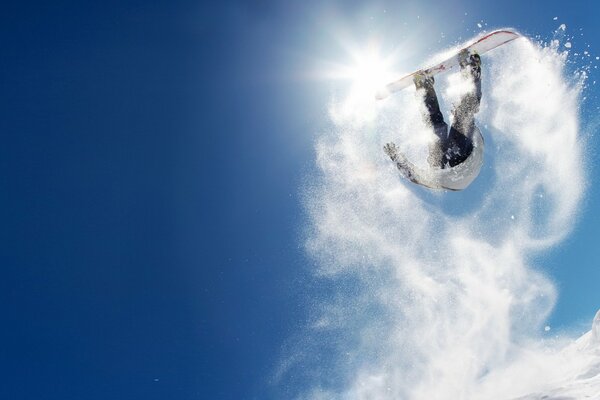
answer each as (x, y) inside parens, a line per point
(436, 295)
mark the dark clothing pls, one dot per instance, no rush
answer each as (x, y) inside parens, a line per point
(454, 146)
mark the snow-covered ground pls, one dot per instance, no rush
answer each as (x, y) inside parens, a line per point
(580, 365)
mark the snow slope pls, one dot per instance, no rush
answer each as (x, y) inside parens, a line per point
(580, 365)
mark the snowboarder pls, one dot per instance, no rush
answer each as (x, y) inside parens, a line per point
(456, 155)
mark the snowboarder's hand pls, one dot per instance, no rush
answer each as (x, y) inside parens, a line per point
(391, 150)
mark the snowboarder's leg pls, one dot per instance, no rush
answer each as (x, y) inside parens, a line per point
(463, 127)
(433, 117)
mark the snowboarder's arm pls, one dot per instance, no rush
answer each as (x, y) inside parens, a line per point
(405, 167)
(391, 150)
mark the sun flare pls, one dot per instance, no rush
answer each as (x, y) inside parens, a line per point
(369, 72)
(366, 73)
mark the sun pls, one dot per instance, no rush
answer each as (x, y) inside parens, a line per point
(370, 72)
(366, 73)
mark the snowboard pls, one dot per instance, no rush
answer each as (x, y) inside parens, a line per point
(480, 46)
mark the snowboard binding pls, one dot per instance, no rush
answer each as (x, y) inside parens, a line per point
(422, 80)
(470, 62)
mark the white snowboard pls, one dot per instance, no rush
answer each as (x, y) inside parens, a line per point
(480, 46)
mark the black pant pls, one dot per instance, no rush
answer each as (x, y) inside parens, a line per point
(454, 146)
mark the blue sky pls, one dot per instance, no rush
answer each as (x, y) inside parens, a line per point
(153, 156)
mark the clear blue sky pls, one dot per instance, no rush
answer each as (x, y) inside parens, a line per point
(152, 157)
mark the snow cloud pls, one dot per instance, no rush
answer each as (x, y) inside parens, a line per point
(436, 295)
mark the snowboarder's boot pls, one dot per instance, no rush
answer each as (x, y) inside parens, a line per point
(423, 81)
(470, 62)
